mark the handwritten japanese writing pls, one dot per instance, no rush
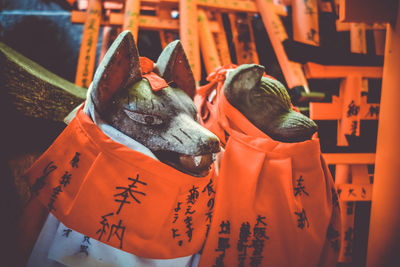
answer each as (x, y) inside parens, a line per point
(66, 232)
(352, 109)
(223, 242)
(353, 128)
(373, 111)
(63, 182)
(189, 224)
(244, 235)
(302, 220)
(104, 225)
(65, 179)
(40, 182)
(209, 188)
(75, 160)
(129, 191)
(348, 237)
(118, 231)
(333, 237)
(257, 243)
(300, 188)
(193, 195)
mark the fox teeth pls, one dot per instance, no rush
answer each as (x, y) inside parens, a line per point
(214, 156)
(197, 160)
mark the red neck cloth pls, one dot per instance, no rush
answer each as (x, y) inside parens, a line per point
(121, 197)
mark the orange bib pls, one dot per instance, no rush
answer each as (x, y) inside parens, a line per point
(276, 204)
(121, 197)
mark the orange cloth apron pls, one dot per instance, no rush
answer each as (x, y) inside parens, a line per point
(121, 197)
(276, 204)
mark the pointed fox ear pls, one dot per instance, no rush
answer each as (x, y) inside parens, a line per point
(242, 79)
(173, 65)
(119, 68)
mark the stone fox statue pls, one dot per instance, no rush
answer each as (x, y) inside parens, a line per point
(276, 204)
(162, 118)
(266, 103)
(125, 183)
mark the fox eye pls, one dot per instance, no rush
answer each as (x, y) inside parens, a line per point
(146, 119)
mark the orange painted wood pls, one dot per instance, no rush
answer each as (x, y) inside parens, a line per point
(368, 11)
(166, 36)
(305, 21)
(351, 105)
(80, 17)
(345, 26)
(221, 42)
(364, 85)
(188, 33)
(384, 233)
(292, 71)
(222, 5)
(350, 95)
(239, 6)
(295, 75)
(332, 111)
(355, 192)
(107, 4)
(326, 111)
(317, 71)
(207, 45)
(358, 39)
(342, 174)
(342, 177)
(379, 39)
(145, 22)
(349, 158)
(357, 188)
(347, 232)
(87, 53)
(359, 174)
(243, 39)
(324, 6)
(131, 17)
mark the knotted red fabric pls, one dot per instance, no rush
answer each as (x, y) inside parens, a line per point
(156, 82)
(276, 204)
(121, 197)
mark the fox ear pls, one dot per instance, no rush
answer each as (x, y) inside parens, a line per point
(242, 79)
(119, 68)
(173, 65)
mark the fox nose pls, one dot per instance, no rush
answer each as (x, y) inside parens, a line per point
(211, 144)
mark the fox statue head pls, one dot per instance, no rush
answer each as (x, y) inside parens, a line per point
(266, 103)
(164, 121)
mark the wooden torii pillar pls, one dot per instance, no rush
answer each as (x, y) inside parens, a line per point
(384, 235)
(87, 54)
(348, 108)
(384, 232)
(358, 41)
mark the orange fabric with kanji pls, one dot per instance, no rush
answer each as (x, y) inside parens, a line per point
(121, 197)
(276, 204)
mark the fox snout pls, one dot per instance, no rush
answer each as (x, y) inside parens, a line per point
(187, 146)
(186, 136)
